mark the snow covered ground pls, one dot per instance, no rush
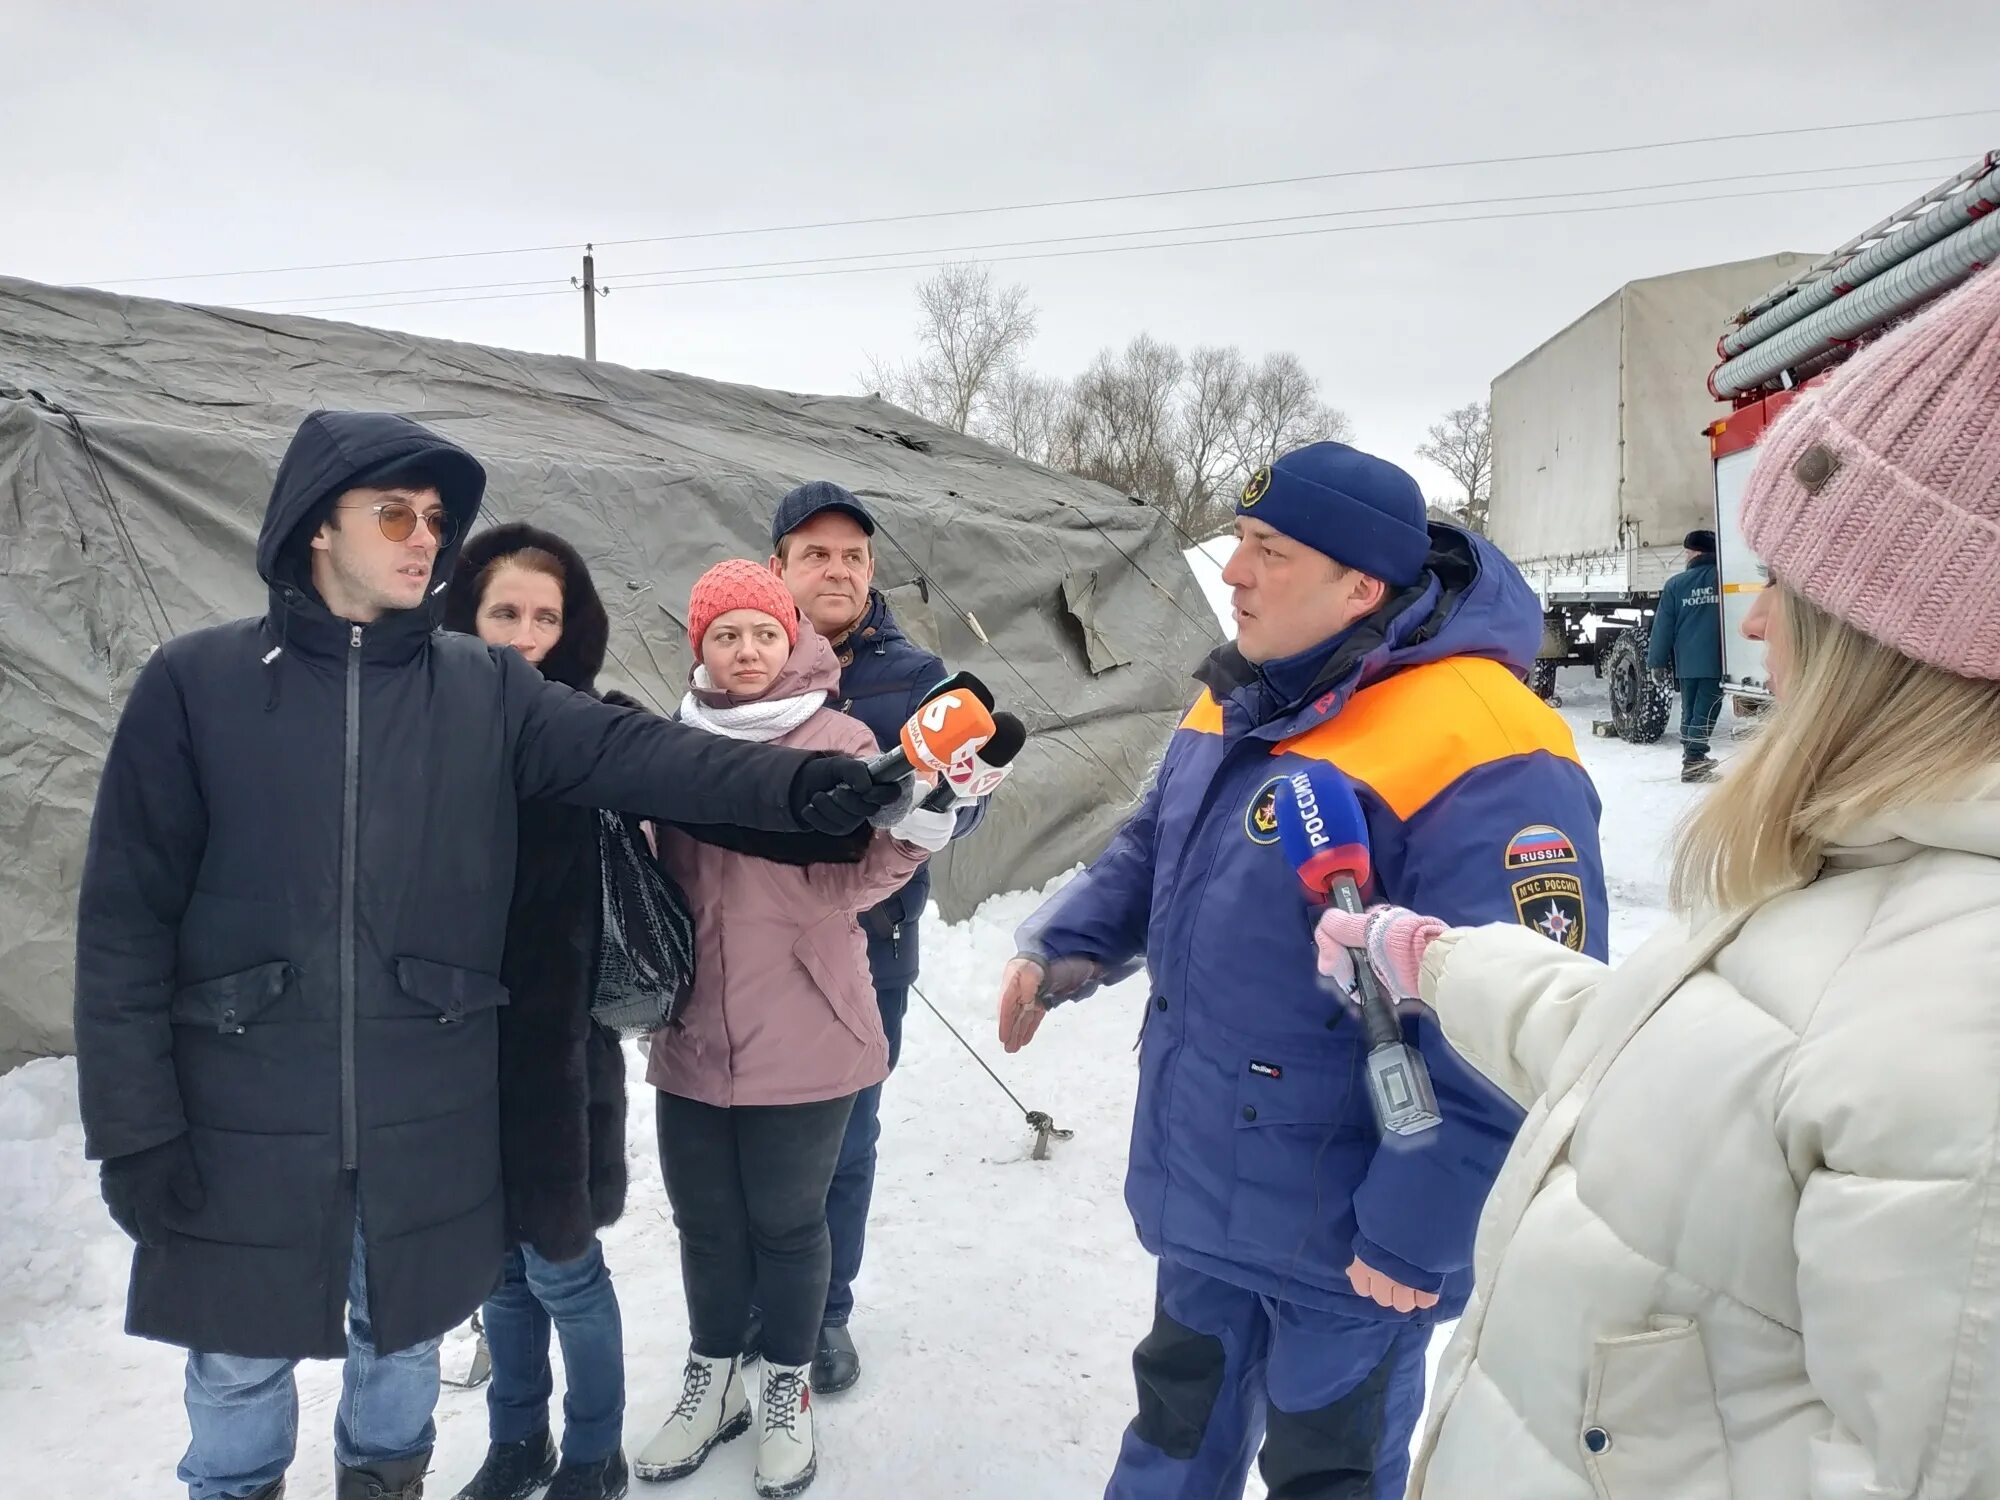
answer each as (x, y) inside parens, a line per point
(996, 1315)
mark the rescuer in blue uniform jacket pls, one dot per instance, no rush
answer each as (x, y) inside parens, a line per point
(1303, 1258)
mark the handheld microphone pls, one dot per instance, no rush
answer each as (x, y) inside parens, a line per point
(962, 682)
(1323, 834)
(977, 774)
(950, 724)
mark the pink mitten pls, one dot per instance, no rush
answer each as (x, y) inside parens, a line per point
(1393, 938)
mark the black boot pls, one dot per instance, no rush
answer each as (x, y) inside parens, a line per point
(400, 1479)
(513, 1471)
(275, 1490)
(603, 1480)
(1695, 771)
(835, 1365)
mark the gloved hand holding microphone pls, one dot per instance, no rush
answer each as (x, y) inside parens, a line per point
(1324, 835)
(1393, 939)
(966, 748)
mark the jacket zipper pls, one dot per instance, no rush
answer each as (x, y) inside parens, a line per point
(350, 833)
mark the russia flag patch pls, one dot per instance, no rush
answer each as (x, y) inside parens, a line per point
(1539, 845)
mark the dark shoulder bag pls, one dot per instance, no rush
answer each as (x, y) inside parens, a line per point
(645, 946)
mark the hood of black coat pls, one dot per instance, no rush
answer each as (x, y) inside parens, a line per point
(578, 656)
(328, 454)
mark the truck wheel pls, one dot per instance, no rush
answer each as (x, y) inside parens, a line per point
(1543, 680)
(1639, 709)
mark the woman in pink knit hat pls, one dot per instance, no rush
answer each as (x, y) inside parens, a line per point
(1748, 1240)
(758, 1073)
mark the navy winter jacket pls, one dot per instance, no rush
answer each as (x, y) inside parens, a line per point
(884, 676)
(1687, 629)
(1255, 1156)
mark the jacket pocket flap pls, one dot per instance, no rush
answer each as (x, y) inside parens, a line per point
(1284, 1093)
(232, 1001)
(824, 951)
(1650, 1412)
(452, 991)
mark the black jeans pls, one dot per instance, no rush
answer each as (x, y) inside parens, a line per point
(748, 1187)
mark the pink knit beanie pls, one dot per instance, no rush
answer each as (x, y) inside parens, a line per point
(739, 584)
(1877, 496)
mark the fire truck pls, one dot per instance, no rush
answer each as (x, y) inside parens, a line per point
(1778, 347)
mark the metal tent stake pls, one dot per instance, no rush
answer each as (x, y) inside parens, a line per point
(1045, 1131)
(481, 1368)
(1041, 1123)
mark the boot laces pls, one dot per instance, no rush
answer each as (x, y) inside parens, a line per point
(784, 1401)
(696, 1380)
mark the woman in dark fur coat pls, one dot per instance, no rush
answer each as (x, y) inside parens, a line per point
(562, 1076)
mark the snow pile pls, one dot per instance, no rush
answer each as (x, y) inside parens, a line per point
(1207, 562)
(56, 1259)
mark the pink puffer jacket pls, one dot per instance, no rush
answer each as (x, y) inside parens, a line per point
(783, 1011)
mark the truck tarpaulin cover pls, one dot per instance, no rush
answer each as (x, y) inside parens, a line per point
(138, 439)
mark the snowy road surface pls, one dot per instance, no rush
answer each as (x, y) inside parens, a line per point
(996, 1314)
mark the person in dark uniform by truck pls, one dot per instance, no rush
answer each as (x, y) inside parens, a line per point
(1687, 644)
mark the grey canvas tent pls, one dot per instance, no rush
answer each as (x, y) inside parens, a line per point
(137, 443)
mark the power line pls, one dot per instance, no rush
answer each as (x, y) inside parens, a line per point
(1132, 197)
(1237, 239)
(629, 279)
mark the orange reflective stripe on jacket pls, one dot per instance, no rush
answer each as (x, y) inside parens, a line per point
(1411, 735)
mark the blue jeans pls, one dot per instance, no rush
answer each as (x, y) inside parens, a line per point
(854, 1176)
(575, 1298)
(243, 1414)
(1331, 1400)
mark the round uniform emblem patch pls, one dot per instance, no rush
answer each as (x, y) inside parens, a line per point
(1258, 487)
(1260, 819)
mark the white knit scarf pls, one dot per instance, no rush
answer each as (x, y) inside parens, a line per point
(766, 719)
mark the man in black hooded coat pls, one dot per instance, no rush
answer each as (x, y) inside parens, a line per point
(292, 915)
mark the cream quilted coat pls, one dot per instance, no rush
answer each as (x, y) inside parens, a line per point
(1748, 1241)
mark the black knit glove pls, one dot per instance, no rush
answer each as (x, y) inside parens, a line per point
(149, 1191)
(892, 813)
(835, 794)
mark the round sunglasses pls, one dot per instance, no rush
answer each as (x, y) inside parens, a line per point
(398, 521)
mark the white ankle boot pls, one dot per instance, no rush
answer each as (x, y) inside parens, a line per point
(713, 1409)
(786, 1461)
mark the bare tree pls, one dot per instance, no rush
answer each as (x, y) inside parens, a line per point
(1128, 409)
(1462, 445)
(1023, 414)
(1282, 411)
(1212, 409)
(1181, 432)
(972, 333)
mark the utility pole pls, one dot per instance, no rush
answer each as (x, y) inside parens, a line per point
(591, 292)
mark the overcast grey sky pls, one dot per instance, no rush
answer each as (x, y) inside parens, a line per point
(148, 140)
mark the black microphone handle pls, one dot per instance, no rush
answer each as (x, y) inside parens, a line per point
(1378, 1013)
(890, 765)
(940, 798)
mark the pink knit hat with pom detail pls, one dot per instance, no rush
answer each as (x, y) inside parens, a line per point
(1877, 496)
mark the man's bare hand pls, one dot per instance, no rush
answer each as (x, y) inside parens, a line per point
(1021, 1009)
(1372, 1284)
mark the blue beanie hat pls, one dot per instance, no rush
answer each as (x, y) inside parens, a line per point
(1359, 510)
